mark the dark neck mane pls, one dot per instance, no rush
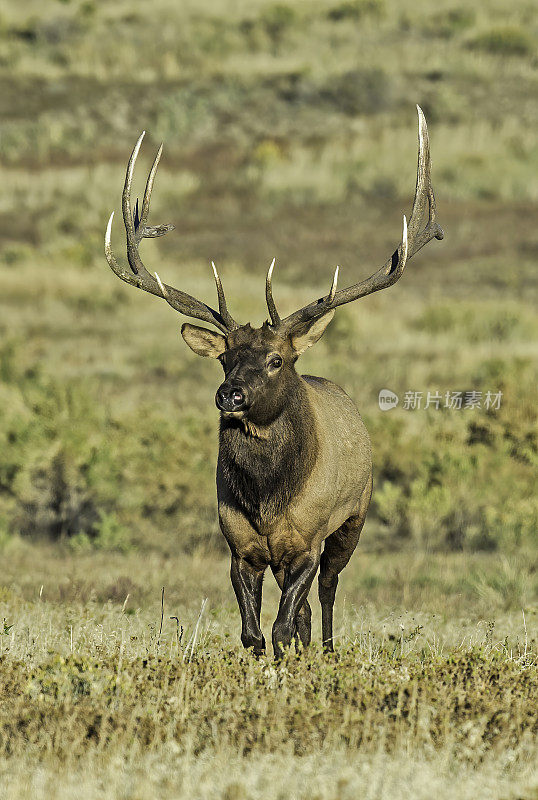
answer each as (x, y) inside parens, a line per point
(263, 467)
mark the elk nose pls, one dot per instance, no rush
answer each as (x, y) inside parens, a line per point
(230, 398)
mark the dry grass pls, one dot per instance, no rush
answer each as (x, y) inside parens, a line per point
(98, 702)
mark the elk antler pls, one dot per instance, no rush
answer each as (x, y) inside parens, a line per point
(136, 230)
(412, 241)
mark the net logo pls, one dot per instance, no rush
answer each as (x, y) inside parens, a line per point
(387, 400)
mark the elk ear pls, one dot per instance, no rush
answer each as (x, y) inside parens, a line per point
(306, 334)
(202, 341)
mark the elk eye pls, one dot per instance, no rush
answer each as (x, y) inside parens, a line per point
(275, 362)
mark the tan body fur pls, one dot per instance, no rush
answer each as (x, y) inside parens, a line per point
(338, 487)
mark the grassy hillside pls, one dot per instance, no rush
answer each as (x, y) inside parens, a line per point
(290, 131)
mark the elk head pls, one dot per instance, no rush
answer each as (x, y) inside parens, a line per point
(259, 362)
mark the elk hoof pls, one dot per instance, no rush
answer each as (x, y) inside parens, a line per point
(282, 638)
(257, 644)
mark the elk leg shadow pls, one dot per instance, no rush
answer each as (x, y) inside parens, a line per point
(247, 583)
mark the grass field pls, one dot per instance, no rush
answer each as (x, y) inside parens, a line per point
(289, 131)
(432, 688)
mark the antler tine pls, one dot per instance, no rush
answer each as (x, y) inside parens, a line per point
(135, 226)
(412, 241)
(110, 257)
(128, 277)
(136, 230)
(149, 189)
(135, 262)
(330, 296)
(423, 192)
(223, 308)
(403, 250)
(163, 289)
(271, 305)
(164, 292)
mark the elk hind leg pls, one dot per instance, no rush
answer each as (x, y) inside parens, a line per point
(339, 548)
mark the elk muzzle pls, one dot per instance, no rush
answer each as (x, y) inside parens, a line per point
(231, 398)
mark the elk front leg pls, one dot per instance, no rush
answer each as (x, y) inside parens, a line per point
(247, 582)
(303, 621)
(298, 579)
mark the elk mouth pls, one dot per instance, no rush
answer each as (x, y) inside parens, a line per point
(238, 415)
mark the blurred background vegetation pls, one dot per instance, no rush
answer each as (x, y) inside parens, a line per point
(290, 131)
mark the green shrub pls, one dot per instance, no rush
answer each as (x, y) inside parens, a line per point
(356, 9)
(47, 443)
(464, 479)
(477, 322)
(277, 20)
(106, 533)
(71, 471)
(450, 22)
(359, 91)
(507, 41)
(55, 502)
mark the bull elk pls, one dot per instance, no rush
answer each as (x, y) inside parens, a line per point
(294, 472)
